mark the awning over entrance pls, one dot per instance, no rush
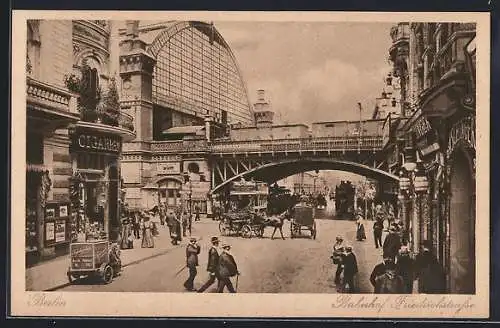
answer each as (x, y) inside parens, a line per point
(185, 130)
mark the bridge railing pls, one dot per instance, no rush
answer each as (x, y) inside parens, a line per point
(304, 144)
(367, 143)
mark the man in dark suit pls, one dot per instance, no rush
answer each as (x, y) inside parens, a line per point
(378, 271)
(213, 264)
(192, 251)
(350, 269)
(392, 244)
(429, 272)
(378, 226)
(227, 269)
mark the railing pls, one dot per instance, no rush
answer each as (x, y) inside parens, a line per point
(112, 118)
(179, 146)
(50, 96)
(305, 144)
(371, 143)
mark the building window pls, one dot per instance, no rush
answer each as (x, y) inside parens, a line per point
(33, 49)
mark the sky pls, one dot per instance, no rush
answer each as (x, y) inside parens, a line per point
(315, 71)
(311, 72)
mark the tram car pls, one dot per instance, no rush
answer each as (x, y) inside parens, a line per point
(344, 200)
(279, 200)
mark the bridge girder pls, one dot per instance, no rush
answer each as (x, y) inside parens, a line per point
(272, 171)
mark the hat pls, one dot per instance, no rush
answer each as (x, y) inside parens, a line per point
(348, 248)
(339, 238)
(404, 250)
(226, 245)
(215, 239)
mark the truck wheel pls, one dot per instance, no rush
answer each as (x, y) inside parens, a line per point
(107, 275)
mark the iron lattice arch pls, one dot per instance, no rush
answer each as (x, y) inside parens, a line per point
(196, 73)
(227, 170)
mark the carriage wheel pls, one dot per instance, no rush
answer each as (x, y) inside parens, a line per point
(222, 227)
(107, 275)
(246, 231)
(314, 231)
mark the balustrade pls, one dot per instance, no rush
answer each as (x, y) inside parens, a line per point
(49, 95)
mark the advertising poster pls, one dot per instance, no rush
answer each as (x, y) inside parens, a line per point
(49, 231)
(60, 230)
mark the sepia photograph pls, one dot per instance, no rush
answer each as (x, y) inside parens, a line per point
(289, 159)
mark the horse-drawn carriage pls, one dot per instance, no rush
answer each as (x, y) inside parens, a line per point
(247, 207)
(302, 219)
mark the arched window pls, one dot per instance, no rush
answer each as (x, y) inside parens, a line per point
(33, 49)
(90, 89)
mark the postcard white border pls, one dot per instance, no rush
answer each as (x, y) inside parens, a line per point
(245, 305)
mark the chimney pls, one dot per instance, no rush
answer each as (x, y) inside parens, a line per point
(132, 28)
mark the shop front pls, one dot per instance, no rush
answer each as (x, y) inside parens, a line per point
(95, 184)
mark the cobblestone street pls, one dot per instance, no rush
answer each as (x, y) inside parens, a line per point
(300, 265)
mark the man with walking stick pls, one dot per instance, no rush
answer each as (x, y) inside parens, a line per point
(192, 251)
(227, 269)
(213, 264)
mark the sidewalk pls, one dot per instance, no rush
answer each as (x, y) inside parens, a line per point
(52, 274)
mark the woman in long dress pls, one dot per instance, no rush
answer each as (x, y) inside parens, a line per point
(147, 236)
(126, 232)
(360, 228)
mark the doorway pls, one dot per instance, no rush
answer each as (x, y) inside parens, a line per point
(462, 225)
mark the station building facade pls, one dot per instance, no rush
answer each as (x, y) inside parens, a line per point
(181, 83)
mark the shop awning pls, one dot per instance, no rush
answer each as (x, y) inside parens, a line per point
(191, 129)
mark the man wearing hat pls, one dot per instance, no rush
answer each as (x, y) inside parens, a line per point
(404, 264)
(392, 244)
(192, 251)
(378, 271)
(227, 269)
(338, 249)
(378, 226)
(428, 271)
(212, 266)
(350, 269)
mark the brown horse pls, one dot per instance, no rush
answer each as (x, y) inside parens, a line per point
(277, 222)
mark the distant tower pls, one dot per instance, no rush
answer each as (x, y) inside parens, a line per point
(263, 114)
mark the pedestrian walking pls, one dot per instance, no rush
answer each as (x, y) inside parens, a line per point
(360, 228)
(389, 282)
(147, 235)
(392, 244)
(162, 211)
(192, 251)
(350, 265)
(186, 226)
(378, 226)
(379, 270)
(338, 249)
(172, 225)
(155, 221)
(227, 269)
(136, 224)
(197, 213)
(213, 264)
(428, 271)
(126, 233)
(405, 263)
